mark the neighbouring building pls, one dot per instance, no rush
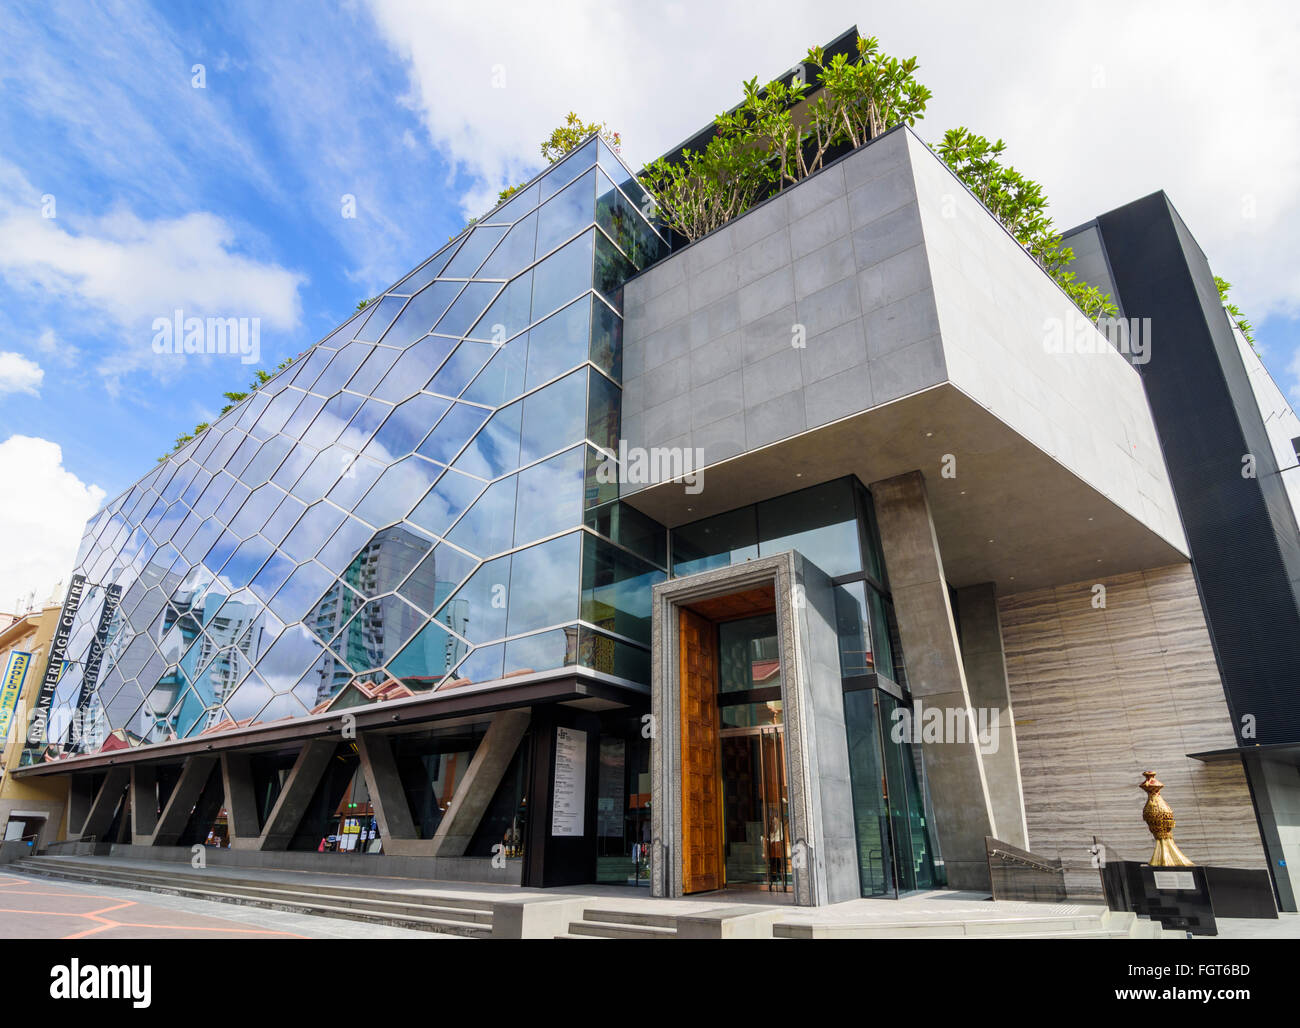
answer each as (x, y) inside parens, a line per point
(806, 557)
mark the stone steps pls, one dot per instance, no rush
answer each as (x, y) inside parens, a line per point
(430, 913)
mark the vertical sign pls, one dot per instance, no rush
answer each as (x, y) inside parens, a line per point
(569, 793)
(11, 688)
(58, 648)
(112, 600)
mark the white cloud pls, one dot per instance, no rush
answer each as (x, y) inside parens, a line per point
(42, 521)
(133, 270)
(19, 375)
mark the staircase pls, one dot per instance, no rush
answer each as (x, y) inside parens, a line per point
(1084, 922)
(619, 924)
(444, 915)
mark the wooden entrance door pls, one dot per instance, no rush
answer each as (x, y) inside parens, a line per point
(701, 783)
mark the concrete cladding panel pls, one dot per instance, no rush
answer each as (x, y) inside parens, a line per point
(812, 306)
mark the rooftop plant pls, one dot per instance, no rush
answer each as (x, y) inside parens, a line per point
(1234, 312)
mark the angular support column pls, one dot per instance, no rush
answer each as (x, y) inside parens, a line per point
(299, 787)
(81, 795)
(144, 802)
(986, 679)
(476, 789)
(241, 800)
(180, 804)
(102, 808)
(388, 799)
(958, 785)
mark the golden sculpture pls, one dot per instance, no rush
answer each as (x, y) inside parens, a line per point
(1160, 820)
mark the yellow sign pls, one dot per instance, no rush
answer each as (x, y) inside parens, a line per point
(11, 688)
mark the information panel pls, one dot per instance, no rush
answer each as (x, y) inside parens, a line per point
(569, 794)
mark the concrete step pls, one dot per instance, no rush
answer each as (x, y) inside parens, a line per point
(419, 917)
(1100, 924)
(612, 930)
(632, 917)
(225, 878)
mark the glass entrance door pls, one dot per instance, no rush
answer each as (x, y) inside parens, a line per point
(755, 808)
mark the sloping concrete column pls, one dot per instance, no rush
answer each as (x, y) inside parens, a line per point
(299, 787)
(180, 804)
(144, 801)
(387, 797)
(958, 785)
(986, 680)
(102, 808)
(241, 800)
(480, 783)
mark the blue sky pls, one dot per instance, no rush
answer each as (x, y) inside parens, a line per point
(227, 200)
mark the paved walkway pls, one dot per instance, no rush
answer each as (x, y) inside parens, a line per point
(44, 908)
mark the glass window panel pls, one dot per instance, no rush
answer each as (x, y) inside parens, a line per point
(409, 423)
(196, 487)
(466, 362)
(427, 658)
(612, 270)
(221, 551)
(572, 165)
(333, 611)
(550, 497)
(545, 651)
(482, 665)
(364, 422)
(606, 340)
(503, 378)
(202, 539)
(377, 632)
(853, 627)
(273, 575)
(385, 561)
(324, 471)
(278, 411)
(467, 308)
(213, 495)
(474, 251)
(559, 343)
(360, 475)
(821, 523)
(259, 506)
(430, 270)
(347, 330)
(452, 432)
(300, 457)
(342, 367)
(495, 449)
(308, 408)
(414, 368)
(446, 502)
(515, 252)
(312, 366)
(562, 276)
(420, 315)
(385, 311)
(291, 655)
(625, 225)
(522, 201)
(566, 214)
(437, 576)
(489, 526)
(240, 458)
(398, 490)
(345, 542)
(509, 314)
(632, 530)
(616, 589)
(554, 417)
(603, 409)
(477, 611)
(336, 413)
(715, 542)
(545, 582)
(309, 535)
(289, 511)
(375, 367)
(301, 591)
(268, 458)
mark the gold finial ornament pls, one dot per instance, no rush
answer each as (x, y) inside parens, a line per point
(1160, 820)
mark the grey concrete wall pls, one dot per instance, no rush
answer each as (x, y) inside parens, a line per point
(708, 336)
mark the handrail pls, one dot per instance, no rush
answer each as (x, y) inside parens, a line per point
(1015, 858)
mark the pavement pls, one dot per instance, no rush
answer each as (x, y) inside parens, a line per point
(42, 908)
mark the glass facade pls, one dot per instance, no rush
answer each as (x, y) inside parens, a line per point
(411, 505)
